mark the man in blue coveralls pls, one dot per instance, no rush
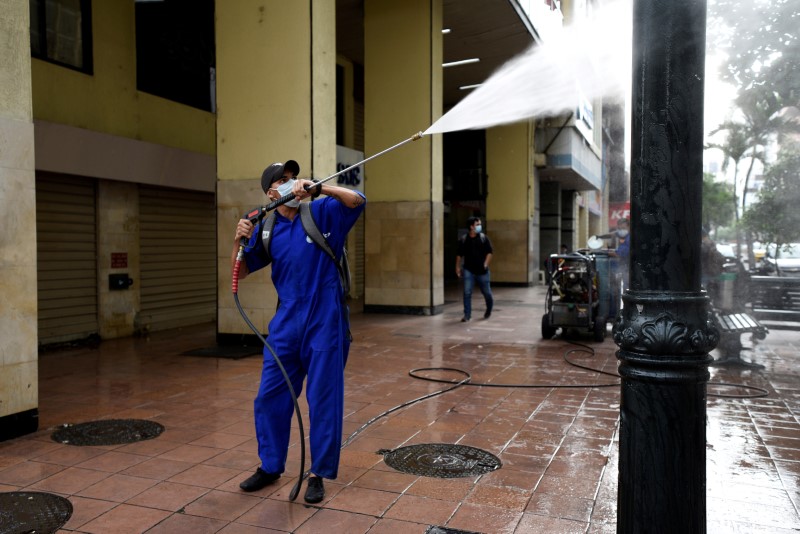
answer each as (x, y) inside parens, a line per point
(309, 331)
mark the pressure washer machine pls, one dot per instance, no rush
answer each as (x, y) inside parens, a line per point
(577, 293)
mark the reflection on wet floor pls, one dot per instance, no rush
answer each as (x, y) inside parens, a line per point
(557, 442)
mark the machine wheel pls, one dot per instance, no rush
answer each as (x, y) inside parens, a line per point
(548, 331)
(599, 328)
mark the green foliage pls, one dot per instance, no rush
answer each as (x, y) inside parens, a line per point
(775, 218)
(763, 45)
(736, 143)
(718, 203)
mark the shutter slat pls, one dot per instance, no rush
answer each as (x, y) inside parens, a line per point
(66, 231)
(178, 259)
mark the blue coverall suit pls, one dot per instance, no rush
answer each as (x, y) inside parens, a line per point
(309, 332)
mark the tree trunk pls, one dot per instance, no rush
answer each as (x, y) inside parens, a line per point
(748, 234)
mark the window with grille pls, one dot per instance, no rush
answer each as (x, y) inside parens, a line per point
(61, 32)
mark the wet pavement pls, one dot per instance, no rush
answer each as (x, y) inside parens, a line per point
(553, 425)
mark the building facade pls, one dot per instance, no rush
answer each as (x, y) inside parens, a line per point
(134, 135)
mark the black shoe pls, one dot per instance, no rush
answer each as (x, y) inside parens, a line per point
(259, 479)
(464, 319)
(487, 314)
(315, 491)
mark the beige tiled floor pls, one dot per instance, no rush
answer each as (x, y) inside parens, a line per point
(557, 444)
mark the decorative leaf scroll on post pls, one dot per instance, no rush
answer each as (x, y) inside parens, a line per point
(667, 335)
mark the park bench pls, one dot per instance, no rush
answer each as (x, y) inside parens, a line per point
(775, 298)
(731, 326)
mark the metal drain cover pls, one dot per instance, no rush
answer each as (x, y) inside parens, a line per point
(22, 511)
(441, 460)
(108, 432)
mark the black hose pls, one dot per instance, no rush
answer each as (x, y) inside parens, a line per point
(468, 382)
(296, 489)
(363, 427)
(256, 215)
(761, 392)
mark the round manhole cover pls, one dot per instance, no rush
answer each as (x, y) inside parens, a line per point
(441, 460)
(108, 432)
(22, 511)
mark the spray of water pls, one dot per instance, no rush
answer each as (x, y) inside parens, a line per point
(590, 59)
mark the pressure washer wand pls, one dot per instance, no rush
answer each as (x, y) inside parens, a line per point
(256, 214)
(414, 137)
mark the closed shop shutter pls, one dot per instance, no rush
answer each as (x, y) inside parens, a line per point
(178, 258)
(355, 256)
(66, 259)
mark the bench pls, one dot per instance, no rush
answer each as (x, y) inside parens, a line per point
(731, 326)
(775, 298)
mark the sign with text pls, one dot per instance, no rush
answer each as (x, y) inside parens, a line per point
(119, 260)
(354, 178)
(617, 211)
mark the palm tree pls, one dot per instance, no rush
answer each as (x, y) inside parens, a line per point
(734, 148)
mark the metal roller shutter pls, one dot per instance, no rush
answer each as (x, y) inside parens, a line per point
(66, 234)
(178, 258)
(355, 253)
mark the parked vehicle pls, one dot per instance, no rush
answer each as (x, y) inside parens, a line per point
(727, 251)
(782, 261)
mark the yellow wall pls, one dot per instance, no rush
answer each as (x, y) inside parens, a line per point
(268, 110)
(264, 86)
(510, 180)
(402, 98)
(323, 87)
(108, 100)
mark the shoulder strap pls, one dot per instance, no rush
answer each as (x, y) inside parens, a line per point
(483, 237)
(266, 234)
(312, 231)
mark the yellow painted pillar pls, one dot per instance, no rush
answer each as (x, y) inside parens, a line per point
(19, 387)
(404, 215)
(510, 203)
(276, 100)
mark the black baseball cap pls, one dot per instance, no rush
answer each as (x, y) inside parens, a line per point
(274, 172)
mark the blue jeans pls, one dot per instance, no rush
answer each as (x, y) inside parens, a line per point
(483, 284)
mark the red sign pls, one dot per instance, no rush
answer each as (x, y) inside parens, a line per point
(617, 211)
(119, 260)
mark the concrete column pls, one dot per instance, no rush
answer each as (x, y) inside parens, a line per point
(19, 388)
(118, 217)
(569, 219)
(549, 219)
(276, 94)
(404, 216)
(582, 233)
(509, 203)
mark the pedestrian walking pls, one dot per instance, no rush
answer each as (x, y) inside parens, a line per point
(475, 251)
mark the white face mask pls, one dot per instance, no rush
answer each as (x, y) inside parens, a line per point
(286, 188)
(622, 233)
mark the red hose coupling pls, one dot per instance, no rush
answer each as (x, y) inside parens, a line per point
(235, 281)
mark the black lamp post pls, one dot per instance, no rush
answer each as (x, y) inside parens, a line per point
(665, 330)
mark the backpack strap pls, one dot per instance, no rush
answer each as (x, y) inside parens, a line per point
(266, 234)
(463, 238)
(312, 231)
